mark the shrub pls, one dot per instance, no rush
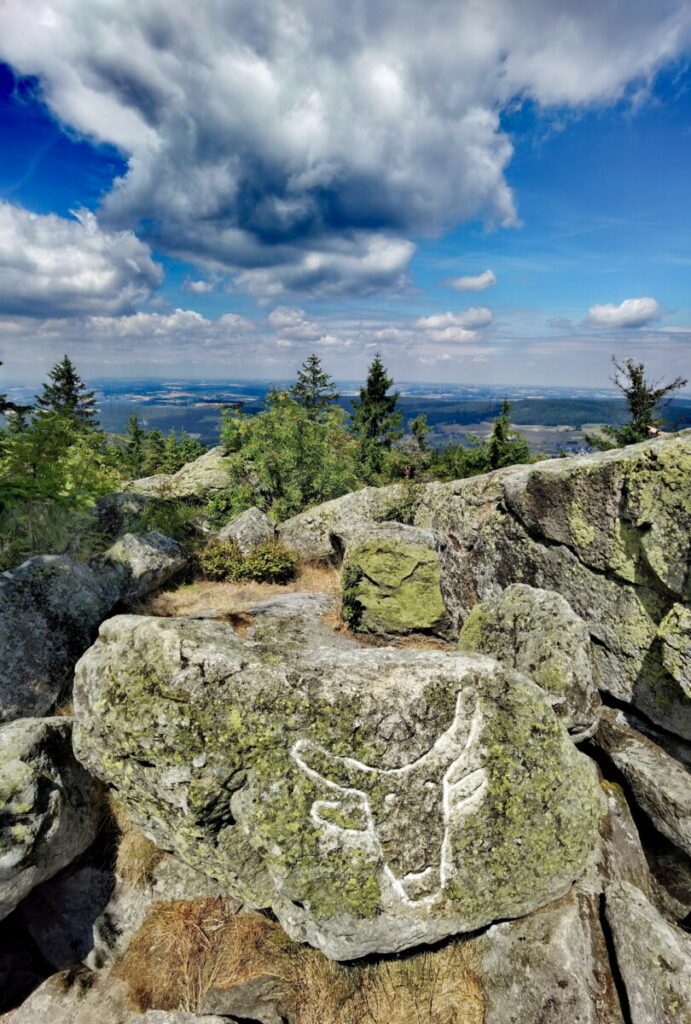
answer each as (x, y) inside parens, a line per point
(220, 560)
(352, 607)
(268, 563)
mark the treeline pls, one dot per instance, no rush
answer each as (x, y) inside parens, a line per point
(55, 462)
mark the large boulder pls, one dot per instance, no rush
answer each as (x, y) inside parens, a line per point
(197, 479)
(536, 632)
(51, 807)
(50, 608)
(249, 530)
(148, 561)
(660, 785)
(375, 799)
(610, 532)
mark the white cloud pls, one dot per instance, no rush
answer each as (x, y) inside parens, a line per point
(199, 287)
(478, 283)
(473, 318)
(282, 140)
(629, 313)
(52, 266)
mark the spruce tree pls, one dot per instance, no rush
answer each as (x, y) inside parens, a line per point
(67, 395)
(136, 441)
(375, 420)
(643, 398)
(314, 387)
(505, 446)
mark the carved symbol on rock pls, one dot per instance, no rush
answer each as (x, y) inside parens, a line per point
(405, 816)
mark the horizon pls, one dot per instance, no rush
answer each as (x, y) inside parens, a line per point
(483, 193)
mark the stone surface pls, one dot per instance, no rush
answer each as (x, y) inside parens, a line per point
(196, 479)
(675, 641)
(59, 915)
(50, 608)
(653, 956)
(392, 579)
(610, 532)
(118, 513)
(551, 967)
(82, 997)
(149, 560)
(296, 622)
(376, 799)
(51, 807)
(129, 903)
(249, 530)
(660, 785)
(536, 632)
(265, 999)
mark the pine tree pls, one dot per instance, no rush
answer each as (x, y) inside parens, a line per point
(314, 387)
(643, 398)
(154, 453)
(375, 420)
(67, 396)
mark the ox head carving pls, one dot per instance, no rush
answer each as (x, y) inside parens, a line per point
(422, 799)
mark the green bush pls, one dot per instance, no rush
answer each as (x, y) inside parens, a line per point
(268, 563)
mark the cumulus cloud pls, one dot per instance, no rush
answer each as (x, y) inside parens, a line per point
(477, 283)
(52, 266)
(629, 313)
(283, 140)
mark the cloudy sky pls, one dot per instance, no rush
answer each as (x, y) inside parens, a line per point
(485, 191)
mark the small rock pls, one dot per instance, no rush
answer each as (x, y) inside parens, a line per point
(149, 560)
(296, 622)
(249, 530)
(264, 999)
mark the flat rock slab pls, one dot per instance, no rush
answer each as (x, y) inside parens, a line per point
(249, 530)
(376, 799)
(660, 785)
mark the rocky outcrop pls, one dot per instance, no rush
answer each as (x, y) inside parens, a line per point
(295, 622)
(196, 479)
(660, 785)
(610, 532)
(50, 608)
(148, 561)
(51, 807)
(374, 798)
(249, 530)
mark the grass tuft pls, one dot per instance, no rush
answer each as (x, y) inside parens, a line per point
(184, 949)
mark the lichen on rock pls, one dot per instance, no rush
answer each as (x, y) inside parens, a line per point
(374, 798)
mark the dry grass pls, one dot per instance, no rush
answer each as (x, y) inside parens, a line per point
(136, 855)
(233, 599)
(184, 949)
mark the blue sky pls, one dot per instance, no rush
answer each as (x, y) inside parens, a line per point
(485, 193)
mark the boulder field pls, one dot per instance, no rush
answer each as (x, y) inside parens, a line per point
(492, 748)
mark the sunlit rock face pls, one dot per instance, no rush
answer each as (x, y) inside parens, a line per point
(609, 532)
(375, 799)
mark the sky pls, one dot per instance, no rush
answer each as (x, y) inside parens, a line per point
(483, 191)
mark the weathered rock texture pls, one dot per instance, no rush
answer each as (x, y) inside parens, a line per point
(148, 560)
(660, 785)
(393, 580)
(536, 632)
(50, 806)
(249, 530)
(50, 608)
(654, 958)
(195, 480)
(375, 799)
(610, 532)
